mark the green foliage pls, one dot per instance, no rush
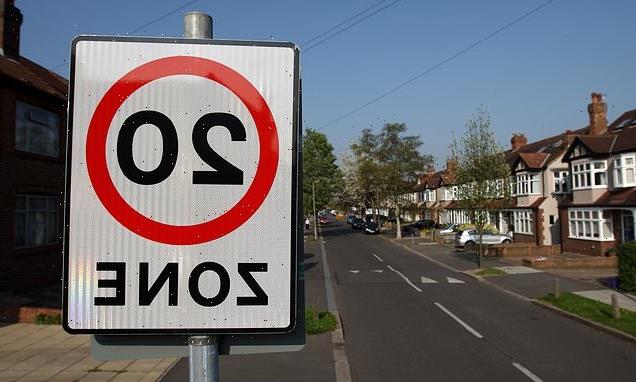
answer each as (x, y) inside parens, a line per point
(595, 311)
(316, 323)
(482, 173)
(488, 228)
(319, 165)
(385, 166)
(47, 319)
(627, 266)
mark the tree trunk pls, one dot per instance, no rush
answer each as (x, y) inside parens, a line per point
(397, 222)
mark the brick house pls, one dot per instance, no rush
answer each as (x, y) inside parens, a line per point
(600, 213)
(32, 122)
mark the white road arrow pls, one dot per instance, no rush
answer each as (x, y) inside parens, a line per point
(378, 270)
(454, 281)
(426, 280)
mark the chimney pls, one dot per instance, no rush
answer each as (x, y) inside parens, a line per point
(568, 137)
(518, 140)
(10, 22)
(598, 115)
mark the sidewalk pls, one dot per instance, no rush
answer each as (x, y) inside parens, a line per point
(527, 282)
(30, 352)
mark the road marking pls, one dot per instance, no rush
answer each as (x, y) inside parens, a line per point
(426, 280)
(462, 323)
(527, 372)
(378, 257)
(454, 281)
(378, 270)
(405, 278)
(354, 271)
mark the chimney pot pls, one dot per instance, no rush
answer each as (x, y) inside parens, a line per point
(518, 140)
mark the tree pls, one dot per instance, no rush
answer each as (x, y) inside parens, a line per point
(387, 165)
(401, 163)
(482, 173)
(319, 166)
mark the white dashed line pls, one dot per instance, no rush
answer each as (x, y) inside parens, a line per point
(426, 280)
(527, 372)
(462, 323)
(354, 271)
(454, 281)
(378, 257)
(405, 279)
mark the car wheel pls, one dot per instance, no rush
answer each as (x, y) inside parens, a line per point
(506, 241)
(469, 244)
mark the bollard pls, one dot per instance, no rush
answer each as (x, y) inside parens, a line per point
(616, 311)
(557, 289)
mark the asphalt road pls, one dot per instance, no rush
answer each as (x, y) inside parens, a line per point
(401, 327)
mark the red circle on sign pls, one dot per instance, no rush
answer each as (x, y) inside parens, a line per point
(151, 229)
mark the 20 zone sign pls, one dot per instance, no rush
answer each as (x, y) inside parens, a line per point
(181, 207)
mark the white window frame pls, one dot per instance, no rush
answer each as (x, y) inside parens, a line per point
(584, 174)
(590, 224)
(523, 222)
(429, 195)
(39, 224)
(561, 182)
(527, 183)
(35, 127)
(622, 168)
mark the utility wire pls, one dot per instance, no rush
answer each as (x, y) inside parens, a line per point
(320, 42)
(342, 23)
(441, 63)
(172, 12)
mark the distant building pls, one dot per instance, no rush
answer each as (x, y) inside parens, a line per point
(32, 140)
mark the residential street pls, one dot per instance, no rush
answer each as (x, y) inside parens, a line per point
(456, 328)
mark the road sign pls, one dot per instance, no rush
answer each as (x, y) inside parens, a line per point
(182, 182)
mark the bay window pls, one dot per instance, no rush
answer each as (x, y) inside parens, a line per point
(591, 174)
(527, 184)
(625, 170)
(591, 224)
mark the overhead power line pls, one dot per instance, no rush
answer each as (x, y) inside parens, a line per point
(441, 63)
(322, 41)
(172, 12)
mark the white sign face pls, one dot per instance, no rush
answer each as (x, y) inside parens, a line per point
(181, 187)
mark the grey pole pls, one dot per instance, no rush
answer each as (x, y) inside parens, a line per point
(204, 354)
(313, 195)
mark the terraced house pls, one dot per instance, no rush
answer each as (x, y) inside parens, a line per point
(575, 190)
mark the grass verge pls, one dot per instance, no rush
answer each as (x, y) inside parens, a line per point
(316, 323)
(490, 272)
(595, 311)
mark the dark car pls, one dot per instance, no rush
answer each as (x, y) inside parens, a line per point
(420, 224)
(323, 220)
(350, 218)
(357, 223)
(370, 228)
(409, 230)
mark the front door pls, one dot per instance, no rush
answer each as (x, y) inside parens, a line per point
(628, 226)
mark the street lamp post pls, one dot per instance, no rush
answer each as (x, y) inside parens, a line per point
(313, 196)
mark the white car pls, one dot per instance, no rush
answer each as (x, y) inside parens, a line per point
(471, 237)
(448, 229)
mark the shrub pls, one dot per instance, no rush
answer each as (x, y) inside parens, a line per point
(489, 228)
(47, 319)
(316, 323)
(627, 266)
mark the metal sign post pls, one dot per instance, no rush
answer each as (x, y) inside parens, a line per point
(204, 355)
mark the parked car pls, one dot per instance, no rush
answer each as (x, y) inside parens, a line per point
(409, 230)
(471, 237)
(357, 223)
(420, 224)
(323, 220)
(449, 228)
(350, 218)
(370, 228)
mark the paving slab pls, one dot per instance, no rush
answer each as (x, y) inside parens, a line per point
(518, 270)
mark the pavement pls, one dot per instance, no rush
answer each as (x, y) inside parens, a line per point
(30, 352)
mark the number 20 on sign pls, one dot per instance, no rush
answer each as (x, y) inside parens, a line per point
(182, 181)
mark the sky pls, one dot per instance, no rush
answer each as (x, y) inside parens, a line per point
(534, 77)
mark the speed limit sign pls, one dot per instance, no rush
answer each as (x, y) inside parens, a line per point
(181, 189)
